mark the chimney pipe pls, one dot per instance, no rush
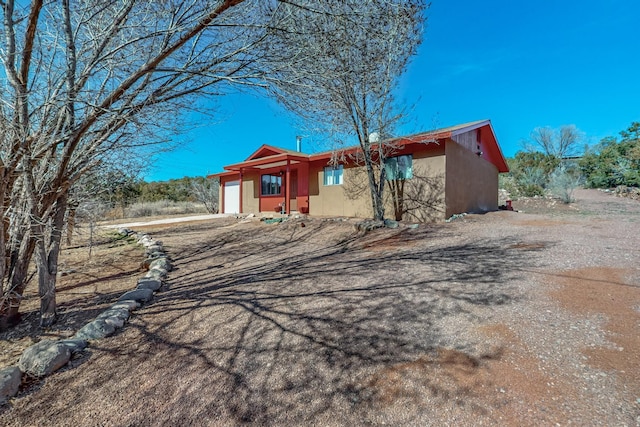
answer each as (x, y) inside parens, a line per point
(299, 144)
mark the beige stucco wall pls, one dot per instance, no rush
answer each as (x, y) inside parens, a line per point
(424, 193)
(353, 198)
(337, 200)
(471, 181)
(250, 189)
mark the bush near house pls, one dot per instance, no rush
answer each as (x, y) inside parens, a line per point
(613, 163)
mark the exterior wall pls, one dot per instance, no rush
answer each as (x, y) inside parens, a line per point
(424, 198)
(353, 198)
(302, 197)
(250, 188)
(471, 181)
(337, 200)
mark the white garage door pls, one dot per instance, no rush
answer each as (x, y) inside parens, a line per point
(232, 197)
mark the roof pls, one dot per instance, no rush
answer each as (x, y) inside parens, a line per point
(492, 149)
(270, 150)
(270, 156)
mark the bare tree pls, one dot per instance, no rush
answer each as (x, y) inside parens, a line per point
(82, 80)
(560, 143)
(206, 191)
(347, 58)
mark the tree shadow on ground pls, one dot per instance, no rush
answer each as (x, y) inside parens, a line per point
(292, 324)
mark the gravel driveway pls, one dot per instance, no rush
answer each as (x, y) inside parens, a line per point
(498, 319)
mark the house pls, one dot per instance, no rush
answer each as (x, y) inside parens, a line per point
(435, 174)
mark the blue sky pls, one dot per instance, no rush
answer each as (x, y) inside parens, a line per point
(521, 64)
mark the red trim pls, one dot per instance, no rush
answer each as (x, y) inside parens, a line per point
(287, 189)
(264, 161)
(267, 151)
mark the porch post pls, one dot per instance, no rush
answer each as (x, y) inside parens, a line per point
(240, 202)
(287, 191)
(221, 193)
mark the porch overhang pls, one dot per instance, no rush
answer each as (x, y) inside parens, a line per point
(278, 160)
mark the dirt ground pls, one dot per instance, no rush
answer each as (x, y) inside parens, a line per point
(507, 318)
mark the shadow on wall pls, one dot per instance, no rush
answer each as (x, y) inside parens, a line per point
(419, 198)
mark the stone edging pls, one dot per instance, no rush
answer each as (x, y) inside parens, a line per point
(47, 356)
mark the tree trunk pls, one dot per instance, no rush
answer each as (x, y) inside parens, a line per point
(16, 282)
(396, 187)
(47, 253)
(376, 194)
(47, 292)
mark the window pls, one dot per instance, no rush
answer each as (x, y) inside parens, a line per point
(333, 175)
(400, 167)
(271, 185)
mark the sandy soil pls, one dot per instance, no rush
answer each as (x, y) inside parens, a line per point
(498, 319)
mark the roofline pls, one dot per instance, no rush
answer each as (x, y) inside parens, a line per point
(423, 137)
(266, 160)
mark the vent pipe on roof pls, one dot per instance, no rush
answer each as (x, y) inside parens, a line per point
(299, 144)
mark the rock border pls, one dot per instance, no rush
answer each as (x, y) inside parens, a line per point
(47, 356)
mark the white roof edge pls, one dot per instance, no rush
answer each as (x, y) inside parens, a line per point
(472, 126)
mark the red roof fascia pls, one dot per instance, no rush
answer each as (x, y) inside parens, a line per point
(401, 141)
(223, 174)
(265, 151)
(249, 163)
(494, 154)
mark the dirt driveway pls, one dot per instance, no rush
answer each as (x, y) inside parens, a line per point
(498, 319)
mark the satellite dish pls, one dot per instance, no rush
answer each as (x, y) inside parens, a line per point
(374, 137)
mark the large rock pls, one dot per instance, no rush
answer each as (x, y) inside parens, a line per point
(152, 284)
(369, 225)
(162, 263)
(124, 231)
(154, 248)
(142, 295)
(145, 240)
(114, 317)
(119, 312)
(156, 254)
(127, 304)
(389, 223)
(10, 379)
(95, 330)
(146, 264)
(44, 358)
(75, 345)
(156, 273)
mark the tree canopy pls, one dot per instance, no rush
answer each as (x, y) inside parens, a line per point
(87, 83)
(614, 162)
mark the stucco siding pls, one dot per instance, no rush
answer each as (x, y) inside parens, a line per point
(471, 181)
(424, 198)
(353, 198)
(250, 192)
(346, 199)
